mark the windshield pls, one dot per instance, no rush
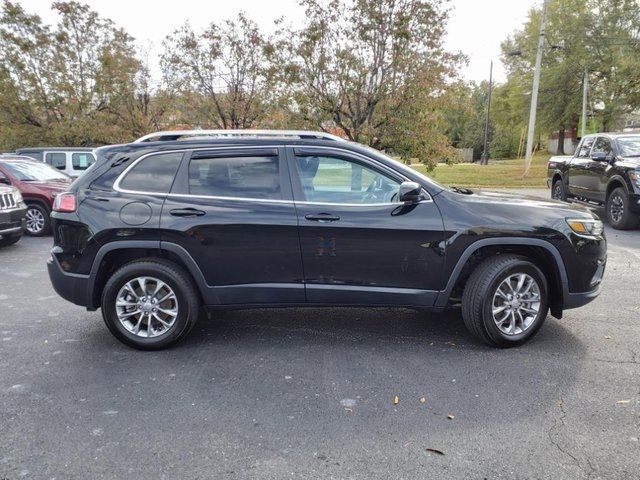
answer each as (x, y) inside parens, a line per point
(34, 172)
(629, 146)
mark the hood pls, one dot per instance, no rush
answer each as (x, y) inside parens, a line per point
(514, 199)
(629, 162)
(54, 185)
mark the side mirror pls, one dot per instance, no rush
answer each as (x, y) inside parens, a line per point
(410, 192)
(600, 157)
(4, 180)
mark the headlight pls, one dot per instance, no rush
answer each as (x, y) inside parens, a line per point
(586, 226)
(17, 196)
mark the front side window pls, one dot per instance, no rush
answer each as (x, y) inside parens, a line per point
(242, 177)
(585, 148)
(82, 160)
(336, 180)
(602, 145)
(152, 174)
(57, 160)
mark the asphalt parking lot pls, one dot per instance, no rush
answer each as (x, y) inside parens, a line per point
(307, 393)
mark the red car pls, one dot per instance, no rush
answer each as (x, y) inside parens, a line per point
(39, 184)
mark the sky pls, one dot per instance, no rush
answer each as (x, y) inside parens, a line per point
(476, 27)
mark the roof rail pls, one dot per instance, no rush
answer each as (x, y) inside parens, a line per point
(170, 135)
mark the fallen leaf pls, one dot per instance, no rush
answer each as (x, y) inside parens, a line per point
(450, 417)
(623, 402)
(608, 337)
(423, 400)
(435, 450)
(396, 400)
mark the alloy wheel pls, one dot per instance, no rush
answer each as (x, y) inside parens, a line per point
(557, 191)
(516, 304)
(35, 220)
(616, 208)
(147, 307)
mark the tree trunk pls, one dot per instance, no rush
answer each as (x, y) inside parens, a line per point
(560, 141)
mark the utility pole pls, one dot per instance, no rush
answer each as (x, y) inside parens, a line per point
(484, 158)
(534, 89)
(585, 93)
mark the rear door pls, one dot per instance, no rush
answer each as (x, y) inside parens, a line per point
(579, 175)
(359, 245)
(232, 210)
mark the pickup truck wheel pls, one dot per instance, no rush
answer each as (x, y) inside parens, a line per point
(505, 301)
(557, 191)
(618, 212)
(150, 304)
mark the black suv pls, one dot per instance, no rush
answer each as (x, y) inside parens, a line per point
(604, 171)
(158, 229)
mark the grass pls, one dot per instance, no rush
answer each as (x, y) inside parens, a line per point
(498, 174)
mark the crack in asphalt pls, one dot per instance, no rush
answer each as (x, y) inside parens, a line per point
(561, 420)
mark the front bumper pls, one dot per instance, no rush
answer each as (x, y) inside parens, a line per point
(13, 222)
(72, 287)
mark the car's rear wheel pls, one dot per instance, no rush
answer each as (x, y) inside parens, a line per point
(505, 301)
(38, 221)
(619, 214)
(150, 304)
(9, 240)
(557, 191)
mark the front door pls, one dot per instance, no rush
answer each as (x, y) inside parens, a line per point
(231, 209)
(359, 244)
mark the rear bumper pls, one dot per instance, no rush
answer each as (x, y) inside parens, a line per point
(72, 287)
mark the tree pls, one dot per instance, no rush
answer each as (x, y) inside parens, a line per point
(376, 71)
(223, 70)
(68, 81)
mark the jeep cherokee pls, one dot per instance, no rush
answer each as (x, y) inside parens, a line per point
(157, 229)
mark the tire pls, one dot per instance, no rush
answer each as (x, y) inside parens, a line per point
(480, 297)
(9, 240)
(558, 191)
(38, 220)
(619, 214)
(185, 302)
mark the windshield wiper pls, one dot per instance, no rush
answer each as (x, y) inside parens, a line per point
(462, 190)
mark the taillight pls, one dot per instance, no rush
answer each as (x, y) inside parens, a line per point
(65, 203)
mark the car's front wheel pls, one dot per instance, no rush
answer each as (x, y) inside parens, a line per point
(505, 301)
(38, 221)
(619, 214)
(150, 304)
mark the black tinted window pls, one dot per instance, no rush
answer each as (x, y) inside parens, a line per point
(82, 160)
(585, 148)
(57, 160)
(153, 174)
(247, 177)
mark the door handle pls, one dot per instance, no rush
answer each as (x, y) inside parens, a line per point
(322, 217)
(186, 212)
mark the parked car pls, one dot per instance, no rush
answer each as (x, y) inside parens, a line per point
(71, 161)
(12, 215)
(605, 171)
(157, 229)
(39, 184)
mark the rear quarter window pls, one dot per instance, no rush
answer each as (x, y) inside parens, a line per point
(153, 174)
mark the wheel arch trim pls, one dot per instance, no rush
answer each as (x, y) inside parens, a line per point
(188, 261)
(443, 295)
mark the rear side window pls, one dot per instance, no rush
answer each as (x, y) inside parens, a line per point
(57, 160)
(82, 160)
(245, 177)
(152, 174)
